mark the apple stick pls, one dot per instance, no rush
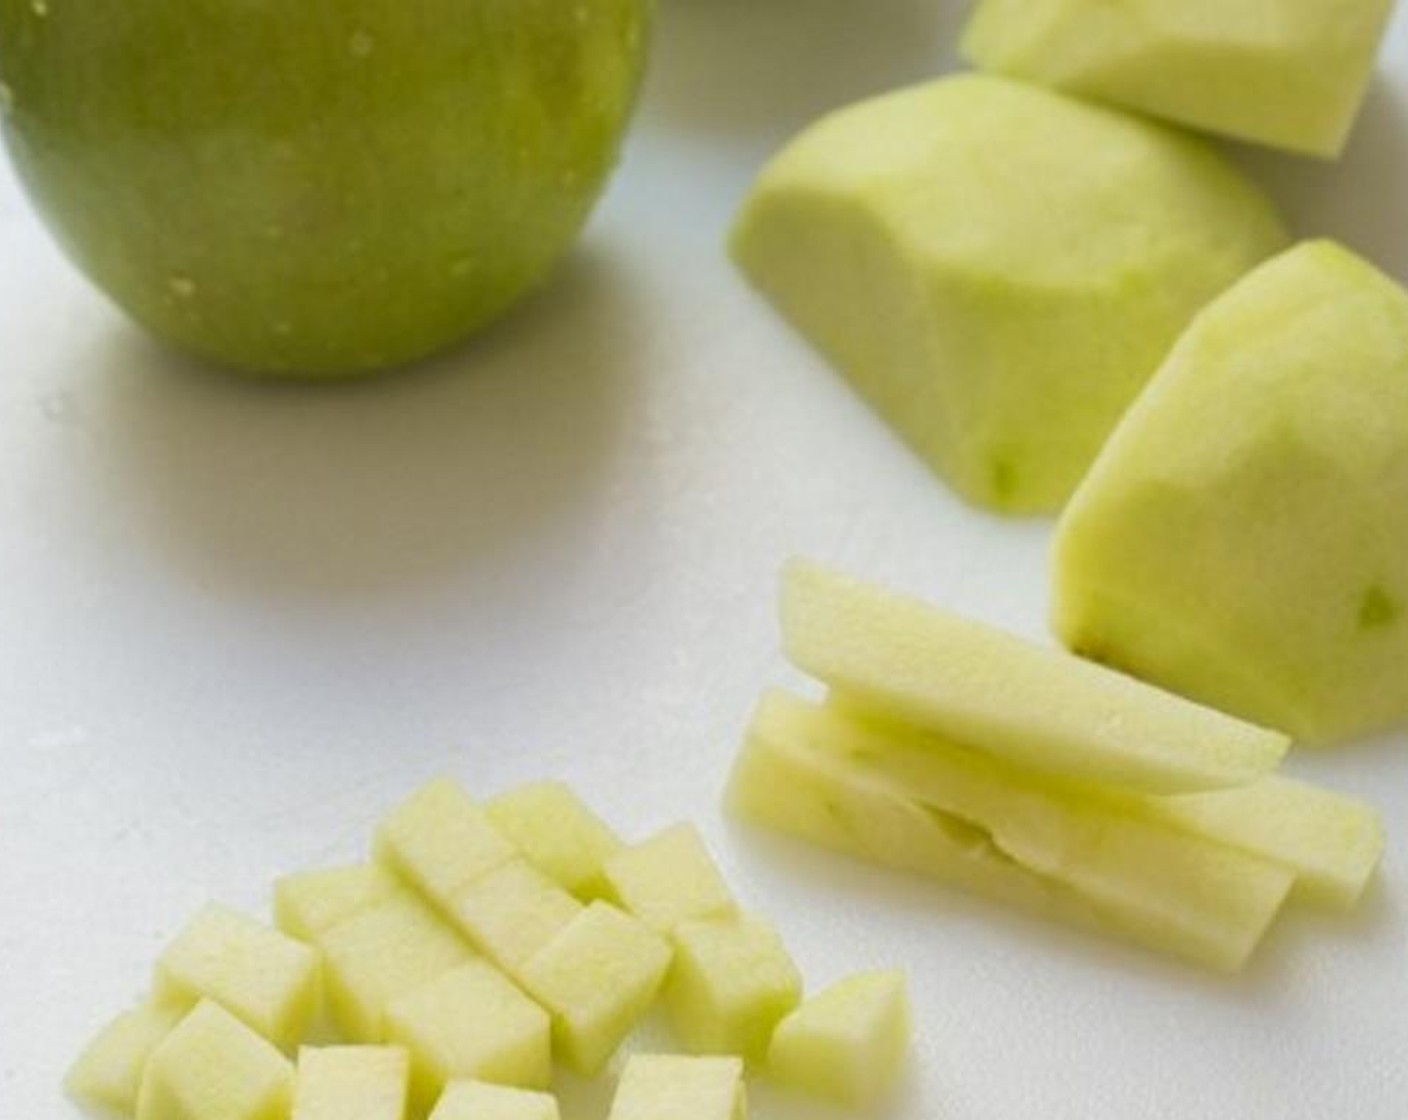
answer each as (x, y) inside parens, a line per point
(1037, 707)
(809, 771)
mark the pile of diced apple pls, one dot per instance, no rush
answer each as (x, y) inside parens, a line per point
(481, 944)
(951, 749)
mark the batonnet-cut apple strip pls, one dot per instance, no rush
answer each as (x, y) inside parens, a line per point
(1037, 707)
(1331, 842)
(811, 771)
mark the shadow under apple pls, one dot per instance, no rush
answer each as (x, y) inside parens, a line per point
(381, 486)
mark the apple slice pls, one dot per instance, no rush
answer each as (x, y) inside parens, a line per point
(1159, 886)
(731, 981)
(213, 1067)
(479, 1100)
(1242, 538)
(848, 1042)
(511, 912)
(668, 879)
(993, 692)
(557, 832)
(998, 269)
(309, 903)
(108, 1074)
(674, 1087)
(259, 974)
(1291, 74)
(351, 1083)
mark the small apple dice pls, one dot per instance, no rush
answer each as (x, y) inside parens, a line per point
(731, 981)
(480, 1100)
(848, 1042)
(470, 1022)
(1291, 75)
(383, 953)
(351, 1083)
(214, 1067)
(108, 1073)
(676, 1087)
(996, 693)
(668, 879)
(440, 840)
(511, 912)
(558, 833)
(998, 269)
(1242, 536)
(309, 903)
(261, 975)
(596, 978)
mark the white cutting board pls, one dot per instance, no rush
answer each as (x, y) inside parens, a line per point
(237, 621)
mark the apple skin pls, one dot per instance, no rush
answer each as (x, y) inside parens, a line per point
(321, 188)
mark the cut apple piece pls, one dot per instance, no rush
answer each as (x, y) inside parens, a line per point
(668, 879)
(848, 1042)
(1332, 842)
(558, 833)
(991, 691)
(108, 1074)
(479, 1100)
(1156, 885)
(213, 1067)
(1242, 538)
(309, 903)
(470, 1022)
(596, 978)
(676, 1087)
(440, 840)
(998, 269)
(511, 912)
(1290, 74)
(351, 1083)
(731, 981)
(259, 974)
(381, 954)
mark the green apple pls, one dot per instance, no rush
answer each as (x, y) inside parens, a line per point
(993, 692)
(1242, 538)
(318, 188)
(998, 269)
(1291, 73)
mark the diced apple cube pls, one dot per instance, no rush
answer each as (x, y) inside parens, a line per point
(309, 903)
(596, 978)
(479, 1100)
(259, 974)
(440, 840)
(511, 912)
(558, 833)
(383, 953)
(993, 692)
(214, 1067)
(731, 981)
(351, 1083)
(668, 879)
(108, 1073)
(470, 1022)
(846, 1043)
(676, 1087)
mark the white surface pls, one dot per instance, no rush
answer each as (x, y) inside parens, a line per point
(240, 620)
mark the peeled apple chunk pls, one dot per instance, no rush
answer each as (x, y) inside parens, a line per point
(1242, 538)
(972, 820)
(108, 1074)
(1289, 73)
(480, 1100)
(997, 268)
(351, 1083)
(672, 1087)
(996, 693)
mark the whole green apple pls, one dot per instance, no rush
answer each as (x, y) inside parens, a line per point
(318, 188)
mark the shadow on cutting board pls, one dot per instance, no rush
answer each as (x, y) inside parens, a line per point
(378, 486)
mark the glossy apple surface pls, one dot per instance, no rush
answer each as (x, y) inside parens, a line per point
(317, 188)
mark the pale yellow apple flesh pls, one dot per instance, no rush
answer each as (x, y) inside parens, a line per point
(1242, 537)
